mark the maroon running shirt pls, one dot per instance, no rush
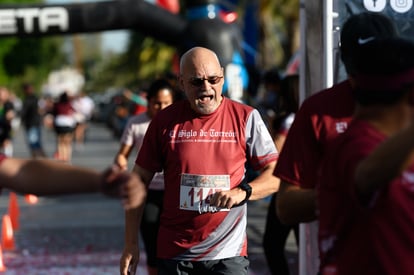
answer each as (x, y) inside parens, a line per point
(201, 154)
(357, 239)
(321, 118)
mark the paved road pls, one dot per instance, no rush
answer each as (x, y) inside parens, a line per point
(83, 234)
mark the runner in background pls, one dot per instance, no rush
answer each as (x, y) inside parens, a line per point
(321, 118)
(160, 95)
(84, 107)
(366, 193)
(32, 121)
(64, 123)
(7, 114)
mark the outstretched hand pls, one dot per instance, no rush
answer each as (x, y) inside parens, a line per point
(125, 185)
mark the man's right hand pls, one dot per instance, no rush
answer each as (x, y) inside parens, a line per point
(129, 260)
(125, 185)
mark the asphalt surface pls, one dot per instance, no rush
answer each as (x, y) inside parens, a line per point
(83, 234)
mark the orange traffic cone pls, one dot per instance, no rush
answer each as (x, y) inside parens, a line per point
(7, 238)
(14, 211)
(31, 199)
(2, 266)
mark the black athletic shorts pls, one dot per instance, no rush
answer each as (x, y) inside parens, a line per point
(228, 266)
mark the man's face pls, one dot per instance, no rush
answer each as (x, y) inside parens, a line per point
(202, 80)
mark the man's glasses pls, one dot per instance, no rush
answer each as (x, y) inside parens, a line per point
(198, 82)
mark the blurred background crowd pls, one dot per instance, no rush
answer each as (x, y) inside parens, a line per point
(115, 106)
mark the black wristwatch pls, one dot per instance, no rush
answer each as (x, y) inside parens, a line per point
(245, 187)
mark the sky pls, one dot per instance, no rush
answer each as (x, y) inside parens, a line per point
(115, 41)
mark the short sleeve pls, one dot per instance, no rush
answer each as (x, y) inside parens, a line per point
(260, 146)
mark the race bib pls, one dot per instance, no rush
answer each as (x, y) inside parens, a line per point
(196, 191)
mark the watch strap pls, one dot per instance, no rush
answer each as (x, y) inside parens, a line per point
(245, 186)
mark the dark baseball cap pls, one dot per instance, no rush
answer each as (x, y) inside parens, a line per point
(386, 70)
(361, 29)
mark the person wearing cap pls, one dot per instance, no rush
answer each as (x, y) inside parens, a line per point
(366, 191)
(321, 117)
(202, 145)
(43, 177)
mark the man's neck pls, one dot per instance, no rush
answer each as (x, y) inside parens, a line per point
(387, 119)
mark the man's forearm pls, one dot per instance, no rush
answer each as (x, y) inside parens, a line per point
(295, 204)
(265, 184)
(132, 224)
(28, 176)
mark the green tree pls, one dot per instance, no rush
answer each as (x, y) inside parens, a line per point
(31, 59)
(5, 46)
(28, 59)
(279, 24)
(145, 59)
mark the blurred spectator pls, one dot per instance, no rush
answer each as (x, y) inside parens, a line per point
(268, 102)
(120, 110)
(293, 65)
(7, 114)
(64, 125)
(46, 104)
(32, 121)
(139, 99)
(276, 233)
(84, 107)
(17, 106)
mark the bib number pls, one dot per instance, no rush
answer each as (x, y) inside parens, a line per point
(196, 191)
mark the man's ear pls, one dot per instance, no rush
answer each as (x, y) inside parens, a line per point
(180, 83)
